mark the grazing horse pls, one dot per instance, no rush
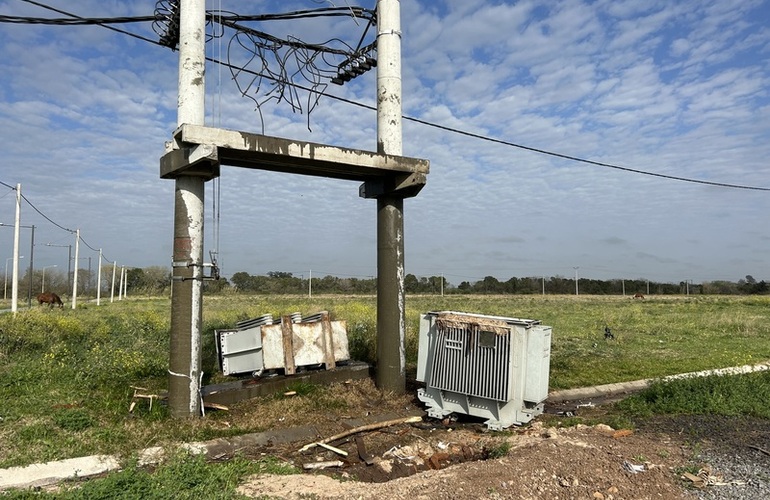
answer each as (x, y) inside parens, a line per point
(638, 296)
(49, 298)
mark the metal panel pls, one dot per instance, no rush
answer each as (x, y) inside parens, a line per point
(240, 350)
(307, 344)
(462, 364)
(489, 366)
(537, 365)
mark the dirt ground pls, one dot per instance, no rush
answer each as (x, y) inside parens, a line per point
(460, 459)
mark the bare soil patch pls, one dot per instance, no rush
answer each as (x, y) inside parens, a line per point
(461, 459)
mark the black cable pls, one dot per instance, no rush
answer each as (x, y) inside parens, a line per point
(80, 21)
(44, 215)
(104, 25)
(583, 160)
(49, 219)
(94, 249)
(357, 12)
(520, 146)
(444, 127)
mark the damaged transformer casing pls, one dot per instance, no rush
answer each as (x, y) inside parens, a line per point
(491, 367)
(288, 343)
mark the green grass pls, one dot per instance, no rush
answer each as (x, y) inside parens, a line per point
(745, 395)
(66, 376)
(184, 477)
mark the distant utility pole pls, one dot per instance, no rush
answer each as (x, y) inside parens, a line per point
(99, 280)
(31, 266)
(122, 277)
(576, 280)
(75, 274)
(15, 284)
(112, 286)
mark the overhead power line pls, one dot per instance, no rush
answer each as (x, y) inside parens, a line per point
(583, 160)
(210, 15)
(103, 22)
(68, 21)
(523, 147)
(46, 217)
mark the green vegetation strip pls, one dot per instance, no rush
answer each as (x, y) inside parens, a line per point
(66, 376)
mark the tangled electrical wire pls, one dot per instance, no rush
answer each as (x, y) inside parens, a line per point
(268, 68)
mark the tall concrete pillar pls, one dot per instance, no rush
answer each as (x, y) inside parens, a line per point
(187, 300)
(391, 308)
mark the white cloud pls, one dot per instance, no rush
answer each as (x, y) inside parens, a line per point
(673, 89)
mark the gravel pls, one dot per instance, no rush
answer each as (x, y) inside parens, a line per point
(746, 472)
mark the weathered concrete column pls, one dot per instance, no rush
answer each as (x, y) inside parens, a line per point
(391, 308)
(391, 304)
(186, 300)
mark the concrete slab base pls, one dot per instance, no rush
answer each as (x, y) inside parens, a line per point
(239, 390)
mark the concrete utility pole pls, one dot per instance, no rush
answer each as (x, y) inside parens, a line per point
(75, 274)
(576, 281)
(112, 285)
(15, 284)
(186, 301)
(31, 266)
(391, 307)
(99, 280)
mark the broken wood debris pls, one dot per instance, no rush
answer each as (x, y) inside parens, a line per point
(140, 395)
(362, 428)
(334, 449)
(215, 406)
(323, 465)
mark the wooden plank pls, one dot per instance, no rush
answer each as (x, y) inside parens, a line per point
(328, 341)
(288, 345)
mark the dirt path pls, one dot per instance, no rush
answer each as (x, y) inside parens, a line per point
(462, 460)
(578, 462)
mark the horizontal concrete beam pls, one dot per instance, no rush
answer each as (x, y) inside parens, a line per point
(243, 149)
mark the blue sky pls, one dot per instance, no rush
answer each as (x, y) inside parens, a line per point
(677, 88)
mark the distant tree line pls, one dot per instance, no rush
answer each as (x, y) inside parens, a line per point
(156, 280)
(288, 283)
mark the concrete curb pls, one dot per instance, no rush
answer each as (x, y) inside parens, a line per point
(609, 390)
(49, 473)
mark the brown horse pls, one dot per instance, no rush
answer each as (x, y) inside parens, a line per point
(49, 298)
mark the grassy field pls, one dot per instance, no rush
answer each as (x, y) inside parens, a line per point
(66, 376)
